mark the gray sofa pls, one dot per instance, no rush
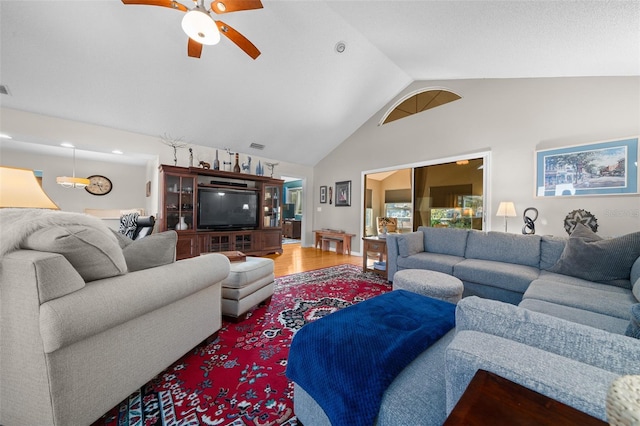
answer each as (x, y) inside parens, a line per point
(522, 269)
(79, 331)
(570, 350)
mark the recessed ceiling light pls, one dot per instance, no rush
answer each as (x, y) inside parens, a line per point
(3, 136)
(67, 145)
(117, 151)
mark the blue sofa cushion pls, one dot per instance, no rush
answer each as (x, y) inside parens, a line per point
(504, 247)
(550, 250)
(634, 325)
(588, 256)
(496, 274)
(433, 261)
(410, 244)
(444, 240)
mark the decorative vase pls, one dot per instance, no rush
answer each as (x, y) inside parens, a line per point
(236, 168)
(182, 225)
(216, 163)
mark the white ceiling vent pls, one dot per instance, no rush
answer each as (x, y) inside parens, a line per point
(4, 90)
(256, 146)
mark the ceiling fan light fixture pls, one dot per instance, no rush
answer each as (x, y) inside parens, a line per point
(199, 26)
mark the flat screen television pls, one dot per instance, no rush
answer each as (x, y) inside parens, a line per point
(227, 209)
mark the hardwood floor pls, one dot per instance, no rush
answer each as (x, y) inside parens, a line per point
(295, 258)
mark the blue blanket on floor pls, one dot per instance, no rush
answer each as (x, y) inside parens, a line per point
(346, 360)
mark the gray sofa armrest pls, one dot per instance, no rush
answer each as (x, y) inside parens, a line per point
(392, 255)
(51, 274)
(598, 348)
(569, 381)
(107, 303)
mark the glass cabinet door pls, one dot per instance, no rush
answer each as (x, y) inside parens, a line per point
(271, 206)
(179, 202)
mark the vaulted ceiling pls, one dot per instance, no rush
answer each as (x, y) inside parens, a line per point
(126, 66)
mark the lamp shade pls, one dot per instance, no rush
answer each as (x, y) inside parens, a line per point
(20, 188)
(506, 209)
(72, 182)
(199, 26)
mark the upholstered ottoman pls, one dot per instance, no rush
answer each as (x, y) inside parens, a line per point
(249, 283)
(429, 283)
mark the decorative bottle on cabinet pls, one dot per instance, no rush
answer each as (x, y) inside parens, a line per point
(216, 163)
(236, 168)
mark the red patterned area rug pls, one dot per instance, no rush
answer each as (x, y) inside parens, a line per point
(239, 379)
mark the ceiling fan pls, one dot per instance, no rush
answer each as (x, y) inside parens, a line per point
(200, 26)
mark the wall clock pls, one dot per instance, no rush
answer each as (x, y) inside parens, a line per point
(99, 185)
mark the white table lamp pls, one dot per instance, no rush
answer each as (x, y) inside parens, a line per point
(506, 209)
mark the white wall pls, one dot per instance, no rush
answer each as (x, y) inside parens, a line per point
(511, 118)
(128, 181)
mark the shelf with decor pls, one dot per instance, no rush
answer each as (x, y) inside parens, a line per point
(221, 211)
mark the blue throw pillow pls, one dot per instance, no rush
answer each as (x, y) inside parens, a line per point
(634, 325)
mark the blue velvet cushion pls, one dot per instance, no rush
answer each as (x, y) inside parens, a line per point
(588, 256)
(634, 325)
(410, 244)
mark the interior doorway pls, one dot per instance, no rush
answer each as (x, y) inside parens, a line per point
(449, 193)
(292, 210)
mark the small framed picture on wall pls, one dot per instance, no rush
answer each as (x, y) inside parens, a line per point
(343, 193)
(323, 194)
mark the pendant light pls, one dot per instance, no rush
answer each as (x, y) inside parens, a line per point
(72, 182)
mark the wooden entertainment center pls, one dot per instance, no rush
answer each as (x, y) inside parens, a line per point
(179, 188)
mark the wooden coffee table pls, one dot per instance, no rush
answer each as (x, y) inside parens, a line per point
(494, 400)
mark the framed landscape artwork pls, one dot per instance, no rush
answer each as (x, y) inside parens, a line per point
(602, 168)
(343, 193)
(323, 194)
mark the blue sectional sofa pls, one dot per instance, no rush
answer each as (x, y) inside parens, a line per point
(566, 339)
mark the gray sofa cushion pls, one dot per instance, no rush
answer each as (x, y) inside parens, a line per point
(503, 247)
(550, 250)
(444, 240)
(620, 286)
(410, 244)
(602, 300)
(496, 274)
(564, 379)
(148, 252)
(589, 345)
(577, 315)
(434, 261)
(93, 252)
(633, 330)
(595, 259)
(635, 279)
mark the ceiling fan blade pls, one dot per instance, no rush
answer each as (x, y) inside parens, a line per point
(226, 6)
(164, 3)
(194, 49)
(241, 41)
